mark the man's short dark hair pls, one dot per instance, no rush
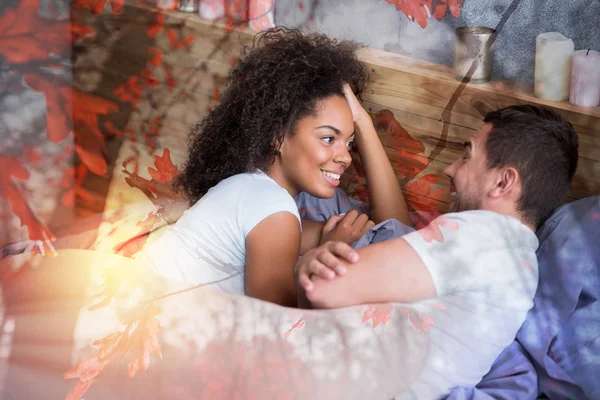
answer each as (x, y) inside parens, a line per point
(543, 147)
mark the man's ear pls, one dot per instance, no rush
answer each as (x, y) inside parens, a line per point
(507, 182)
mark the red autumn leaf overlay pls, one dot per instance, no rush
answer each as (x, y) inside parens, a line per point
(421, 10)
(159, 190)
(261, 369)
(422, 194)
(165, 169)
(138, 341)
(300, 323)
(408, 159)
(378, 313)
(134, 245)
(25, 37)
(63, 103)
(13, 169)
(433, 231)
(97, 6)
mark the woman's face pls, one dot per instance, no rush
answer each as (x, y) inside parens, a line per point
(313, 157)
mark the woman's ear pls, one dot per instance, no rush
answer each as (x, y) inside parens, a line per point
(278, 143)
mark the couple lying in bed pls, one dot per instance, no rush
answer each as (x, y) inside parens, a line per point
(285, 126)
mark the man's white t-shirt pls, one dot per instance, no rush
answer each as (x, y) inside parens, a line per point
(485, 272)
(208, 242)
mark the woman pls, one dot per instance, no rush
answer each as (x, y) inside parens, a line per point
(285, 125)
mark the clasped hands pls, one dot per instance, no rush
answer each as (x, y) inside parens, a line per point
(328, 260)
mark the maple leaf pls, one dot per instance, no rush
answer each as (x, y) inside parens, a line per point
(12, 168)
(97, 6)
(145, 343)
(433, 232)
(136, 244)
(165, 170)
(297, 325)
(378, 313)
(79, 32)
(409, 161)
(32, 155)
(158, 26)
(428, 186)
(58, 104)
(177, 44)
(419, 10)
(171, 82)
(421, 322)
(26, 37)
(359, 189)
(156, 56)
(139, 338)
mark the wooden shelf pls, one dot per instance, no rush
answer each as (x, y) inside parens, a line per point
(519, 91)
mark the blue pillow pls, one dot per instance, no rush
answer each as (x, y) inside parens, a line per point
(562, 330)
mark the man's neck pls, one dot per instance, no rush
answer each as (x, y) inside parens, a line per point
(512, 212)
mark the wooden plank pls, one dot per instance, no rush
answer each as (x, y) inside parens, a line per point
(427, 131)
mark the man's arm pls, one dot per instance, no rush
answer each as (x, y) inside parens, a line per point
(512, 376)
(390, 271)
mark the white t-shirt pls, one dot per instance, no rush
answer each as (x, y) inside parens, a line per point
(208, 242)
(485, 272)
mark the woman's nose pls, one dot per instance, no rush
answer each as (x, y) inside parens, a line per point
(343, 156)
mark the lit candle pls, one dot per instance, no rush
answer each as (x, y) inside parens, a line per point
(553, 54)
(585, 79)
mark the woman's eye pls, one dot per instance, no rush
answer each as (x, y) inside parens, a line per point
(328, 139)
(350, 145)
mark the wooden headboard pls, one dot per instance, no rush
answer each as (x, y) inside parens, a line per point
(422, 113)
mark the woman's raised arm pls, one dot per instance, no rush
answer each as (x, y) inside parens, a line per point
(385, 194)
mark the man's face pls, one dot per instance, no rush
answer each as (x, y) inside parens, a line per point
(469, 174)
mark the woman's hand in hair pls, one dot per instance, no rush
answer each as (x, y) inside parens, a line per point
(346, 228)
(358, 112)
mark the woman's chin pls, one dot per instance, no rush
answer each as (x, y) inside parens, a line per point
(322, 192)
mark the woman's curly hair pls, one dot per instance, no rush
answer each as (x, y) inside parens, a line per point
(281, 80)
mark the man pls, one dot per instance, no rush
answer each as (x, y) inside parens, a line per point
(479, 260)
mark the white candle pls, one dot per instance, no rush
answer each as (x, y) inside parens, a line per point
(585, 78)
(553, 54)
(212, 9)
(262, 15)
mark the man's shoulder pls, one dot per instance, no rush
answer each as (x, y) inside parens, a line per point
(487, 226)
(486, 219)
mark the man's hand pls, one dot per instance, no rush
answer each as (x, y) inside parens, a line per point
(324, 262)
(346, 228)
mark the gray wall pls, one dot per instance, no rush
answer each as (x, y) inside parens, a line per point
(377, 24)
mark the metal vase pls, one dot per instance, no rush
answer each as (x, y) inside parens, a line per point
(474, 56)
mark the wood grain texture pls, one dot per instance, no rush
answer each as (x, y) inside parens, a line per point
(421, 96)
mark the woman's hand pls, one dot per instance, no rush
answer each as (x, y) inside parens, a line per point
(358, 112)
(346, 228)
